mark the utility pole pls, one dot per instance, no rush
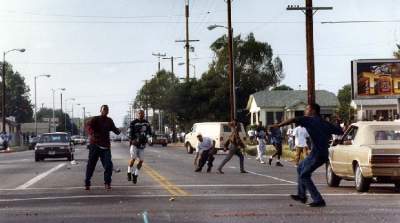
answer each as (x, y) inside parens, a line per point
(84, 122)
(172, 62)
(187, 40)
(230, 62)
(159, 55)
(309, 11)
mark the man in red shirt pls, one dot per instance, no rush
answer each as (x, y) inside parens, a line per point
(99, 128)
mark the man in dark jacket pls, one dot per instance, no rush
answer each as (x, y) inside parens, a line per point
(320, 132)
(139, 129)
(99, 128)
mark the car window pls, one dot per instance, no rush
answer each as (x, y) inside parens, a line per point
(226, 128)
(53, 138)
(387, 136)
(349, 136)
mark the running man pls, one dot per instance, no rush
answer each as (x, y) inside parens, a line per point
(99, 128)
(139, 130)
(276, 140)
(320, 132)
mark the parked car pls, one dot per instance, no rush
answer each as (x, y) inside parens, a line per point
(32, 142)
(218, 131)
(54, 145)
(368, 152)
(159, 139)
(79, 140)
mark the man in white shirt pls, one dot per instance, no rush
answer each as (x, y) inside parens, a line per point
(204, 149)
(300, 140)
(289, 135)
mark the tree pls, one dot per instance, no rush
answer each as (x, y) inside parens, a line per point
(18, 103)
(282, 88)
(345, 110)
(397, 52)
(64, 120)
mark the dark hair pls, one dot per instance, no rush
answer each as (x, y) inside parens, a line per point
(316, 108)
(104, 106)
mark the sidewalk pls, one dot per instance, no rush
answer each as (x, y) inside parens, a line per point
(14, 149)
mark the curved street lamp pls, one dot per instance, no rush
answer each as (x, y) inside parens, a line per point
(35, 78)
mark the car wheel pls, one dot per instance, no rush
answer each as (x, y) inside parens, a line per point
(70, 157)
(362, 183)
(164, 145)
(331, 178)
(189, 148)
(37, 158)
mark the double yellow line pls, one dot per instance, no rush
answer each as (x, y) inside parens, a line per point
(166, 184)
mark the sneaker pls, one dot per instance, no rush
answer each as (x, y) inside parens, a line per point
(243, 171)
(87, 187)
(107, 186)
(298, 198)
(129, 176)
(198, 170)
(134, 178)
(209, 169)
(278, 164)
(270, 161)
(262, 162)
(317, 204)
(220, 171)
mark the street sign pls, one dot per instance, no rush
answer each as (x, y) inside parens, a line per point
(375, 79)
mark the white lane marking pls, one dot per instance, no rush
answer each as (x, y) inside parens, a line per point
(39, 177)
(191, 195)
(232, 167)
(275, 178)
(158, 186)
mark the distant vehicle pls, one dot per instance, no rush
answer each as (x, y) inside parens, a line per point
(79, 140)
(218, 131)
(54, 145)
(159, 139)
(124, 138)
(368, 152)
(32, 142)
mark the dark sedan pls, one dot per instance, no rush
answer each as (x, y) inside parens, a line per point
(54, 145)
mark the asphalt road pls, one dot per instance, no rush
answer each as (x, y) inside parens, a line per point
(170, 191)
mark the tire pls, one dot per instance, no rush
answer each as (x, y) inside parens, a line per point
(331, 178)
(37, 158)
(164, 145)
(70, 157)
(362, 184)
(189, 148)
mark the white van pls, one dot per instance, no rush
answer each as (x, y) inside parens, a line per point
(218, 131)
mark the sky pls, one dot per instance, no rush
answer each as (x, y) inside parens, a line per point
(101, 50)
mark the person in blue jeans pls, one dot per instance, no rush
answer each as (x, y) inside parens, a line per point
(320, 132)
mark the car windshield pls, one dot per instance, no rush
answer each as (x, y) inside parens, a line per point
(53, 138)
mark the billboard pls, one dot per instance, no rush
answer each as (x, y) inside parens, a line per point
(375, 79)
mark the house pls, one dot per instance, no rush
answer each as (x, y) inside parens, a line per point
(273, 106)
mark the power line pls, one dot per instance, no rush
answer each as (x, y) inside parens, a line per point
(360, 21)
(146, 22)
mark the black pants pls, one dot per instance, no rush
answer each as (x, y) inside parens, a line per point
(206, 156)
(233, 150)
(278, 147)
(95, 153)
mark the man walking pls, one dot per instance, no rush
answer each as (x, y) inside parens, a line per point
(261, 136)
(234, 144)
(204, 149)
(139, 130)
(320, 133)
(276, 139)
(300, 140)
(99, 128)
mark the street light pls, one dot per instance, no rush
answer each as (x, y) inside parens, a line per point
(53, 121)
(231, 74)
(194, 67)
(35, 78)
(65, 114)
(3, 109)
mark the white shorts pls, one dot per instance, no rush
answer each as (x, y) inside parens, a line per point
(136, 153)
